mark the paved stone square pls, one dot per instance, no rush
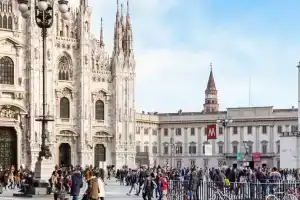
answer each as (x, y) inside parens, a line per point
(113, 192)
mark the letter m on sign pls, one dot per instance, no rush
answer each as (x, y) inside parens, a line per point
(211, 132)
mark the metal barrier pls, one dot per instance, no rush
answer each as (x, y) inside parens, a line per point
(180, 190)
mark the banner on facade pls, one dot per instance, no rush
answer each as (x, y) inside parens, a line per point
(208, 149)
(211, 132)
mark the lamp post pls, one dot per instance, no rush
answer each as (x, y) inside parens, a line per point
(225, 122)
(172, 146)
(246, 147)
(44, 16)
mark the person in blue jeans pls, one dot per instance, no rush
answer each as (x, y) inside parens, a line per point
(76, 184)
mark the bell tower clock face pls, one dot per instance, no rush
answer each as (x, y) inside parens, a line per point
(211, 96)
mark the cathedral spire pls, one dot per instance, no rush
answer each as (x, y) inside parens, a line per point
(211, 95)
(101, 34)
(118, 31)
(128, 14)
(128, 33)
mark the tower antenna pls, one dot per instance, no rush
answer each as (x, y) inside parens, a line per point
(249, 91)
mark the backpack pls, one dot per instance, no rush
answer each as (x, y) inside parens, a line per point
(227, 182)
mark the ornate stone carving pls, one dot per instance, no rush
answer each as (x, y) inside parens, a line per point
(86, 59)
(99, 95)
(7, 112)
(18, 49)
(36, 53)
(66, 92)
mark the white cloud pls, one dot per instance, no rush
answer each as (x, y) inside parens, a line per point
(172, 77)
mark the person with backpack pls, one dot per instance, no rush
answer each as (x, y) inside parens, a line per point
(59, 192)
(92, 191)
(149, 186)
(76, 183)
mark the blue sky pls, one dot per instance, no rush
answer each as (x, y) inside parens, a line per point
(175, 40)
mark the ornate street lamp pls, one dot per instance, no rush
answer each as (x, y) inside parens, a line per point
(44, 16)
(173, 149)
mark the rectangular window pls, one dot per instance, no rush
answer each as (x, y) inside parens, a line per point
(235, 130)
(146, 131)
(250, 149)
(279, 129)
(154, 132)
(192, 131)
(264, 129)
(264, 149)
(294, 128)
(249, 128)
(138, 130)
(166, 132)
(178, 131)
(234, 149)
(192, 149)
(203, 149)
(179, 150)
(220, 130)
(278, 148)
(220, 149)
(166, 150)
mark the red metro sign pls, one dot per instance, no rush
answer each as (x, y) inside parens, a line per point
(211, 132)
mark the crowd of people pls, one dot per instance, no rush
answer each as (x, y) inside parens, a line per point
(158, 182)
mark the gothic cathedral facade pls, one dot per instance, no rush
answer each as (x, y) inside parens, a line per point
(89, 93)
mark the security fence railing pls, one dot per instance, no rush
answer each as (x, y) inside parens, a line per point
(183, 190)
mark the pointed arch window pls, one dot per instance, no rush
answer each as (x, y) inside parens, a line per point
(99, 110)
(9, 22)
(4, 21)
(6, 71)
(64, 70)
(64, 108)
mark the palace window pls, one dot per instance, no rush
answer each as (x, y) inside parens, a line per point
(192, 131)
(178, 131)
(6, 71)
(154, 149)
(249, 128)
(221, 148)
(279, 129)
(99, 110)
(166, 132)
(220, 130)
(138, 148)
(64, 108)
(146, 148)
(179, 149)
(192, 148)
(264, 129)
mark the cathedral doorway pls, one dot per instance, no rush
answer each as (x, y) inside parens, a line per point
(64, 155)
(99, 154)
(8, 147)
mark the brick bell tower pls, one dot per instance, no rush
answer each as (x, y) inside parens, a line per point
(211, 95)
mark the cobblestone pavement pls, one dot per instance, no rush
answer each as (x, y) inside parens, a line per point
(113, 192)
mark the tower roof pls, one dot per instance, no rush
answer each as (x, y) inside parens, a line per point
(211, 81)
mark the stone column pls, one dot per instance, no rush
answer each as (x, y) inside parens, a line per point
(199, 133)
(185, 142)
(257, 136)
(271, 138)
